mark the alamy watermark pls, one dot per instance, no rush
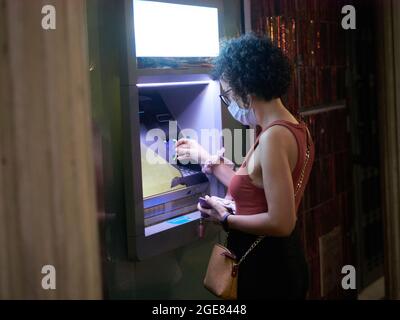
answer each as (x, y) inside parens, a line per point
(49, 18)
(156, 149)
(49, 280)
(349, 280)
(349, 20)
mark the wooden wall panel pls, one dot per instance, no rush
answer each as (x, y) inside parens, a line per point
(388, 17)
(47, 198)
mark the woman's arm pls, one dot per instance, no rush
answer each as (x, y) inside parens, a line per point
(223, 173)
(275, 145)
(191, 150)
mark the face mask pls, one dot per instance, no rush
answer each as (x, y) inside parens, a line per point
(244, 116)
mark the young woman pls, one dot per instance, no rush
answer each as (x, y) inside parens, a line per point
(269, 185)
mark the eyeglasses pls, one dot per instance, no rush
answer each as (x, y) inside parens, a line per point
(225, 98)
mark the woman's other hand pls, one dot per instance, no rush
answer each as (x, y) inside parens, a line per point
(217, 212)
(189, 150)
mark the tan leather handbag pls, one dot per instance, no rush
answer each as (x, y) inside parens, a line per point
(222, 271)
(221, 278)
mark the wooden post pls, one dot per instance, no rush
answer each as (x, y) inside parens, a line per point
(47, 198)
(388, 33)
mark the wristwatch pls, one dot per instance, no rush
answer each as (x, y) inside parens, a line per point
(224, 221)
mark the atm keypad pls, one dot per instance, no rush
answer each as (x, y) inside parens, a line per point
(187, 172)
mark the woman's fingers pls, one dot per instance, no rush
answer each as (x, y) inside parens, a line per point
(184, 155)
(182, 141)
(182, 151)
(212, 202)
(183, 146)
(210, 212)
(187, 154)
(219, 209)
(204, 210)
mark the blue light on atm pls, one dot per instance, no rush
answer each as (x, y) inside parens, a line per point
(180, 220)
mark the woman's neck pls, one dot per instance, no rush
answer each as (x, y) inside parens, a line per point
(269, 111)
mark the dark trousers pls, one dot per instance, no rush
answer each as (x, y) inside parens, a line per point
(275, 269)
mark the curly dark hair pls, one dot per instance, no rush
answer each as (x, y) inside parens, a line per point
(253, 65)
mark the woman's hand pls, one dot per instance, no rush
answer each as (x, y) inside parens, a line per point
(217, 212)
(189, 150)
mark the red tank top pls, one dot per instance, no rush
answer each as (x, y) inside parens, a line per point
(251, 199)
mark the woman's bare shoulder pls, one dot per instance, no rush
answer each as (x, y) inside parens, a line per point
(277, 136)
(278, 145)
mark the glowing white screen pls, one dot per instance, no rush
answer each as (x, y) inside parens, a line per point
(174, 30)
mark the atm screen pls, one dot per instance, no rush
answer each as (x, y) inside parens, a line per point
(175, 30)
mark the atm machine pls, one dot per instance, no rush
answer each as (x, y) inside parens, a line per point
(167, 94)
